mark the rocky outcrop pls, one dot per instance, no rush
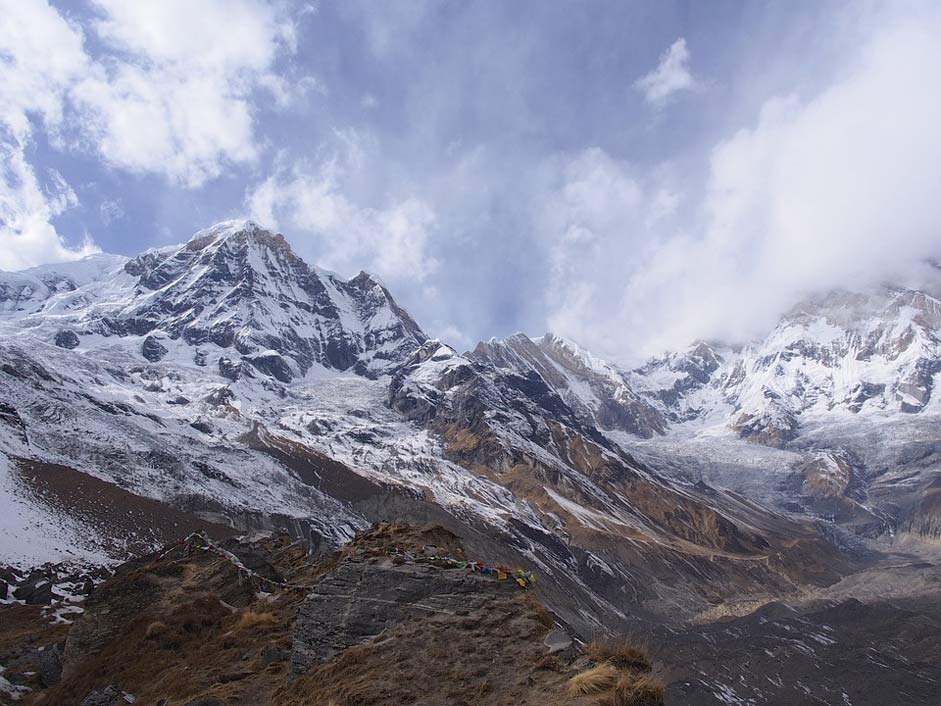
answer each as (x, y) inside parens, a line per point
(50, 665)
(273, 365)
(386, 620)
(241, 287)
(362, 598)
(12, 422)
(67, 339)
(153, 350)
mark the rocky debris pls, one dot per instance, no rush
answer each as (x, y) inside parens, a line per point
(66, 338)
(232, 370)
(12, 421)
(109, 696)
(36, 589)
(50, 583)
(272, 653)
(10, 577)
(50, 665)
(153, 350)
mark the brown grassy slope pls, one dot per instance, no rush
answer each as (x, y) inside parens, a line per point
(178, 628)
(188, 628)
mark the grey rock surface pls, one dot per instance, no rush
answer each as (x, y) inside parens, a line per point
(50, 666)
(360, 599)
(67, 339)
(152, 349)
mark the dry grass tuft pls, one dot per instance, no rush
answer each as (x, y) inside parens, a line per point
(593, 681)
(155, 630)
(635, 691)
(623, 654)
(545, 618)
(252, 619)
(549, 662)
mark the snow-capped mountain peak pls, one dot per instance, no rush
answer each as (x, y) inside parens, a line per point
(875, 352)
(239, 287)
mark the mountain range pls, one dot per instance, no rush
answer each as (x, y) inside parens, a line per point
(224, 383)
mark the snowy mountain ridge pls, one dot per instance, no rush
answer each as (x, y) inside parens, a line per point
(227, 380)
(872, 354)
(233, 285)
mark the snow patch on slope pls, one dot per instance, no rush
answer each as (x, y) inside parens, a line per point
(32, 534)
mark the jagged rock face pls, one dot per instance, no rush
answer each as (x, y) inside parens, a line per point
(209, 376)
(595, 390)
(502, 408)
(669, 380)
(11, 422)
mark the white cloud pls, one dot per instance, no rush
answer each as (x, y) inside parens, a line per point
(391, 241)
(223, 36)
(27, 207)
(40, 55)
(671, 75)
(840, 189)
(111, 210)
(179, 102)
(186, 127)
(594, 215)
(157, 97)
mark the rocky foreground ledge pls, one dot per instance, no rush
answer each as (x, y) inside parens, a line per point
(398, 616)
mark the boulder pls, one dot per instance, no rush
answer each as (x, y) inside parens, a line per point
(152, 349)
(200, 424)
(557, 641)
(50, 666)
(109, 696)
(66, 339)
(36, 591)
(230, 370)
(273, 365)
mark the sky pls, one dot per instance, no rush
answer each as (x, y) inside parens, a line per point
(632, 175)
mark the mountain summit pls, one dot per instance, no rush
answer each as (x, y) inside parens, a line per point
(242, 288)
